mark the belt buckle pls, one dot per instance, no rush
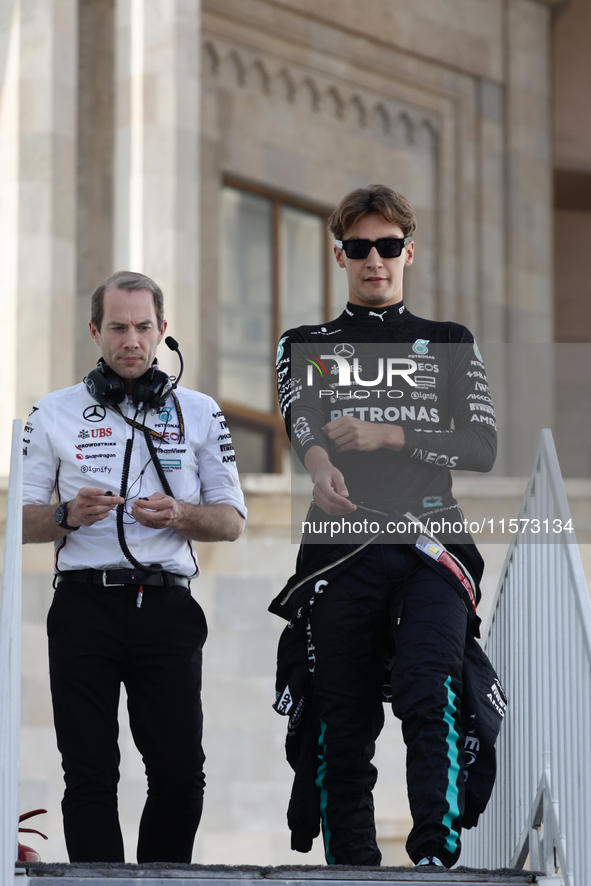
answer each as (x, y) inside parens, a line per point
(111, 584)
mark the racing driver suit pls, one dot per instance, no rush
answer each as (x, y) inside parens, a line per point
(389, 601)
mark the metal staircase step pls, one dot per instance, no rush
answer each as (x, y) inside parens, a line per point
(220, 875)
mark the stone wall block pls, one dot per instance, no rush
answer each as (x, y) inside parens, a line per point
(241, 603)
(258, 652)
(221, 656)
(233, 701)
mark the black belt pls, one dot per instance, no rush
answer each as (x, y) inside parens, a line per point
(116, 577)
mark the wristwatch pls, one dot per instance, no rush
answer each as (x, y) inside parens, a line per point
(61, 517)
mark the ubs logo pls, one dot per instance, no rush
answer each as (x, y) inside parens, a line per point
(94, 413)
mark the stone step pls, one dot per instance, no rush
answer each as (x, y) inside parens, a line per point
(220, 875)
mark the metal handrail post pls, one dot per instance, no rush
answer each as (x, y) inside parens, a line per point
(10, 664)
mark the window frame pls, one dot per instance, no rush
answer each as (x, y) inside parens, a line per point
(271, 423)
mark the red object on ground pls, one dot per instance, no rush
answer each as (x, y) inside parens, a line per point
(25, 853)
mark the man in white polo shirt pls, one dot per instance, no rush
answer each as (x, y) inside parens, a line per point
(139, 468)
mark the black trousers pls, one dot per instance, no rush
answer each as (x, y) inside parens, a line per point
(389, 593)
(98, 639)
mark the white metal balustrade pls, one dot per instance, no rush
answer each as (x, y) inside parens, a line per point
(539, 639)
(10, 664)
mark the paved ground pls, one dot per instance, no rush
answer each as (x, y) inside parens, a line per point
(211, 875)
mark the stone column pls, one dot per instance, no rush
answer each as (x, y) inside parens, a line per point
(529, 172)
(157, 158)
(96, 121)
(37, 215)
(528, 230)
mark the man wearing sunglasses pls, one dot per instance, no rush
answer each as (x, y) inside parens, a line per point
(368, 453)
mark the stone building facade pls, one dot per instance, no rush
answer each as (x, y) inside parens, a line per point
(164, 135)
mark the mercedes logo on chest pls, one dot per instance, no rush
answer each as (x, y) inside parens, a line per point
(344, 350)
(94, 413)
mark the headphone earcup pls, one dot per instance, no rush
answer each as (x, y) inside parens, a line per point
(105, 386)
(152, 388)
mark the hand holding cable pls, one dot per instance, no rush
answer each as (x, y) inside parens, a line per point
(158, 511)
(91, 505)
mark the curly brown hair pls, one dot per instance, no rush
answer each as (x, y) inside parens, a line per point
(374, 198)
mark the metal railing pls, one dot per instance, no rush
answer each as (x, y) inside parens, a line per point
(10, 664)
(539, 639)
(541, 840)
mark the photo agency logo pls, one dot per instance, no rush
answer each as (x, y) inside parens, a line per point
(358, 371)
(387, 381)
(376, 382)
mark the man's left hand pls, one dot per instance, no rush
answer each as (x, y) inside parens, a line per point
(215, 522)
(158, 511)
(347, 433)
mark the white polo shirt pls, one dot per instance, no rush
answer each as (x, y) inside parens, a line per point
(70, 441)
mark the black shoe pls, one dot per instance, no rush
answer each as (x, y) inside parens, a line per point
(429, 861)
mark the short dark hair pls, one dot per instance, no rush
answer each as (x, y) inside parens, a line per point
(131, 282)
(374, 198)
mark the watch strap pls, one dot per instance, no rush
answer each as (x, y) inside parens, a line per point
(63, 523)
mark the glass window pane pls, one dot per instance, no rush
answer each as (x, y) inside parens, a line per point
(302, 247)
(252, 450)
(246, 347)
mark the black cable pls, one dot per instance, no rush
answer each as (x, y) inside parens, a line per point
(156, 463)
(120, 510)
(139, 478)
(157, 567)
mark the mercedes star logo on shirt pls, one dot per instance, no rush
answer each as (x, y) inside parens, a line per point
(344, 350)
(94, 413)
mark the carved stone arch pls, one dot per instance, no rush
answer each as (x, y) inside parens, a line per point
(313, 93)
(337, 102)
(262, 75)
(211, 57)
(381, 118)
(359, 109)
(427, 134)
(404, 128)
(238, 67)
(287, 84)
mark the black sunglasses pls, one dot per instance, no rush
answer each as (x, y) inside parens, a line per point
(388, 247)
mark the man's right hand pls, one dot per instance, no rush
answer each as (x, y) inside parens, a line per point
(91, 505)
(330, 490)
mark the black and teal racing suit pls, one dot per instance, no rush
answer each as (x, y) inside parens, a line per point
(389, 599)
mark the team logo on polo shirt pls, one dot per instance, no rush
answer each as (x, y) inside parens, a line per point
(94, 413)
(171, 464)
